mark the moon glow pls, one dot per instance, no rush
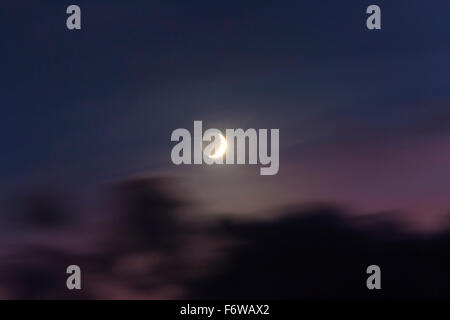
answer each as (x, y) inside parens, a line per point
(220, 151)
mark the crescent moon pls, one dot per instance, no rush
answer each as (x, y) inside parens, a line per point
(222, 148)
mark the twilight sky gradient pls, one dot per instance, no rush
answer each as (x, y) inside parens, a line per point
(364, 117)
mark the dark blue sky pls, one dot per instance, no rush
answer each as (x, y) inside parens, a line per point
(83, 107)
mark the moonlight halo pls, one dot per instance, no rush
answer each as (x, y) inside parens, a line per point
(222, 148)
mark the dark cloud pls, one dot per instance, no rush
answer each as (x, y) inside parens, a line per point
(320, 254)
(145, 249)
(41, 210)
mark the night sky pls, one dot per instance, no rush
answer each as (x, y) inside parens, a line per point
(364, 116)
